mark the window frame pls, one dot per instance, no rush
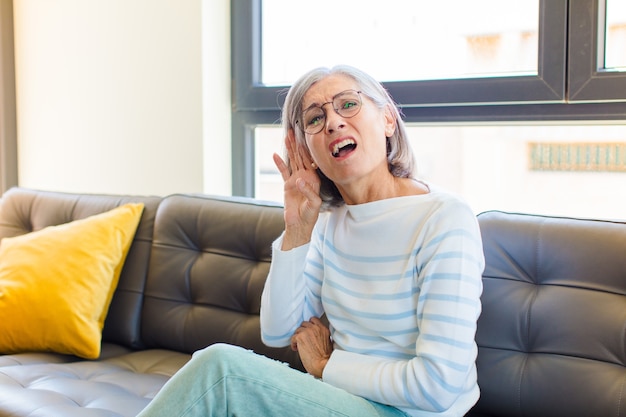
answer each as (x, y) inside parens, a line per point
(563, 61)
(588, 81)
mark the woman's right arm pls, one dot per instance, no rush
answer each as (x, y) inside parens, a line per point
(284, 304)
(283, 297)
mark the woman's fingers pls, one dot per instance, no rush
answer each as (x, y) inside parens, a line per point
(298, 152)
(297, 158)
(292, 151)
(309, 192)
(316, 321)
(282, 167)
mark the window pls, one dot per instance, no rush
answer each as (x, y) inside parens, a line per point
(378, 37)
(542, 80)
(474, 131)
(615, 36)
(557, 169)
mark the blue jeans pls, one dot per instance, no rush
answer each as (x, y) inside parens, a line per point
(224, 380)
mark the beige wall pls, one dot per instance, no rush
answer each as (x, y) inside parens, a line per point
(110, 95)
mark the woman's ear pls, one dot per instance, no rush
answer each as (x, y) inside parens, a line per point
(390, 121)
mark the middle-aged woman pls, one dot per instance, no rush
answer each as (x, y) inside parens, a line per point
(394, 263)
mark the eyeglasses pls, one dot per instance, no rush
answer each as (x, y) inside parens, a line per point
(346, 104)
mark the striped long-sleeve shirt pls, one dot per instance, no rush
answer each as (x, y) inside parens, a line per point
(400, 283)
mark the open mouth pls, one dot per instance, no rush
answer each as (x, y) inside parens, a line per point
(343, 147)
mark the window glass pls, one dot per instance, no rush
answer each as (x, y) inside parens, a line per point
(399, 40)
(268, 184)
(615, 50)
(567, 170)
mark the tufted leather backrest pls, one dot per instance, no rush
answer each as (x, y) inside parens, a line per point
(209, 262)
(552, 333)
(24, 210)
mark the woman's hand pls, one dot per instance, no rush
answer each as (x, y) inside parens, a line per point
(302, 199)
(312, 342)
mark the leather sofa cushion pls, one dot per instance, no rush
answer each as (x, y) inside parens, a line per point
(108, 350)
(551, 333)
(117, 387)
(208, 266)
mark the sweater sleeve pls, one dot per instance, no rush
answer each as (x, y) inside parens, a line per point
(448, 271)
(287, 299)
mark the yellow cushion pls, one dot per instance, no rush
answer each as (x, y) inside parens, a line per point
(56, 284)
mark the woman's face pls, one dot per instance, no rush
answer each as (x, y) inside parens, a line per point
(351, 149)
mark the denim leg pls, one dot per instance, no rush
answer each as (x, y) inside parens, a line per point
(224, 380)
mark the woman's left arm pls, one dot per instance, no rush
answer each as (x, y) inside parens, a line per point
(449, 267)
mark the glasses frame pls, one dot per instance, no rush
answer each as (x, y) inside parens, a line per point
(300, 123)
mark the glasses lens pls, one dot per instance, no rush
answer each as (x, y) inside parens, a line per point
(313, 120)
(348, 103)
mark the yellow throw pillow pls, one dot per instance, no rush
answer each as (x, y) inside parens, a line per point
(56, 284)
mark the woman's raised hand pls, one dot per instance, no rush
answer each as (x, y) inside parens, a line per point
(302, 199)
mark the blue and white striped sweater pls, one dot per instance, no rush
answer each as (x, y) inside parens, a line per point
(399, 281)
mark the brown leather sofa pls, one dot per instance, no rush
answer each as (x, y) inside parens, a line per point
(552, 335)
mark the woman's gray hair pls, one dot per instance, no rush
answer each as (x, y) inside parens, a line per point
(400, 157)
